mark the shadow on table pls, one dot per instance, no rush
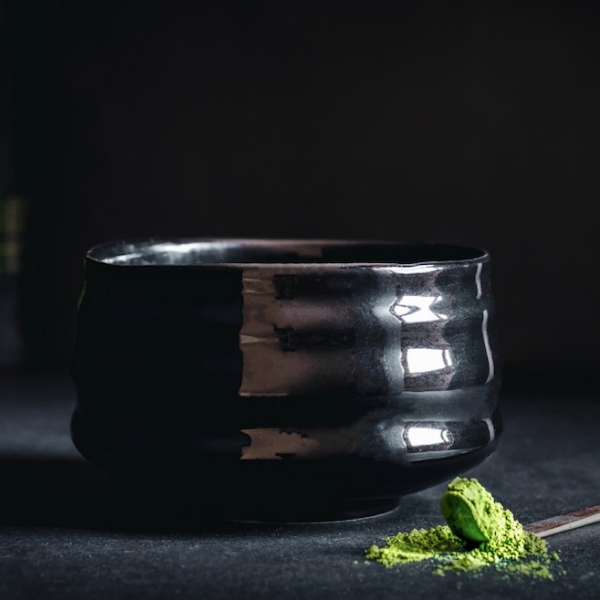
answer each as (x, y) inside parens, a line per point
(75, 494)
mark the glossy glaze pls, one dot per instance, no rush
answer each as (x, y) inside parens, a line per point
(284, 378)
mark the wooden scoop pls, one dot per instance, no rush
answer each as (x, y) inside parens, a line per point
(561, 523)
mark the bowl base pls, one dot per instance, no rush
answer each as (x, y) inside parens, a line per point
(307, 513)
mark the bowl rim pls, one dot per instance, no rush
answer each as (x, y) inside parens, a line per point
(102, 254)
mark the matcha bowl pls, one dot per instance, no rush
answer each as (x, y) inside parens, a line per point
(286, 380)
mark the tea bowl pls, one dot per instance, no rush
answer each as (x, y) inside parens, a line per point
(286, 380)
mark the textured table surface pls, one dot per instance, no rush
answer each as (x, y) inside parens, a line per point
(68, 531)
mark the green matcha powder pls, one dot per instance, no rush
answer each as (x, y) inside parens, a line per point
(480, 533)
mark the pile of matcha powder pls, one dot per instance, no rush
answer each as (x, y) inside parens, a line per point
(480, 533)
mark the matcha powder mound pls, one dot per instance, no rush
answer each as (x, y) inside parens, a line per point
(479, 533)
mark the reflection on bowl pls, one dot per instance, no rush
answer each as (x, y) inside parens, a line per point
(287, 379)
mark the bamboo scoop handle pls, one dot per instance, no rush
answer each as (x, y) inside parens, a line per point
(561, 523)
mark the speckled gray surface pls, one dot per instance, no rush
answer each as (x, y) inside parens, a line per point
(67, 531)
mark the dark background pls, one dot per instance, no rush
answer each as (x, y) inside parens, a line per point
(468, 122)
(475, 123)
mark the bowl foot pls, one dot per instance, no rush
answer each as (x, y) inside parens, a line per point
(305, 513)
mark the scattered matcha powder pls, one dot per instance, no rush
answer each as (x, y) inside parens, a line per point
(479, 533)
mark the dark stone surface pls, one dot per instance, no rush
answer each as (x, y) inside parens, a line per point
(68, 531)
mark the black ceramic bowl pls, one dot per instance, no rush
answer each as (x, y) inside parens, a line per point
(286, 380)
